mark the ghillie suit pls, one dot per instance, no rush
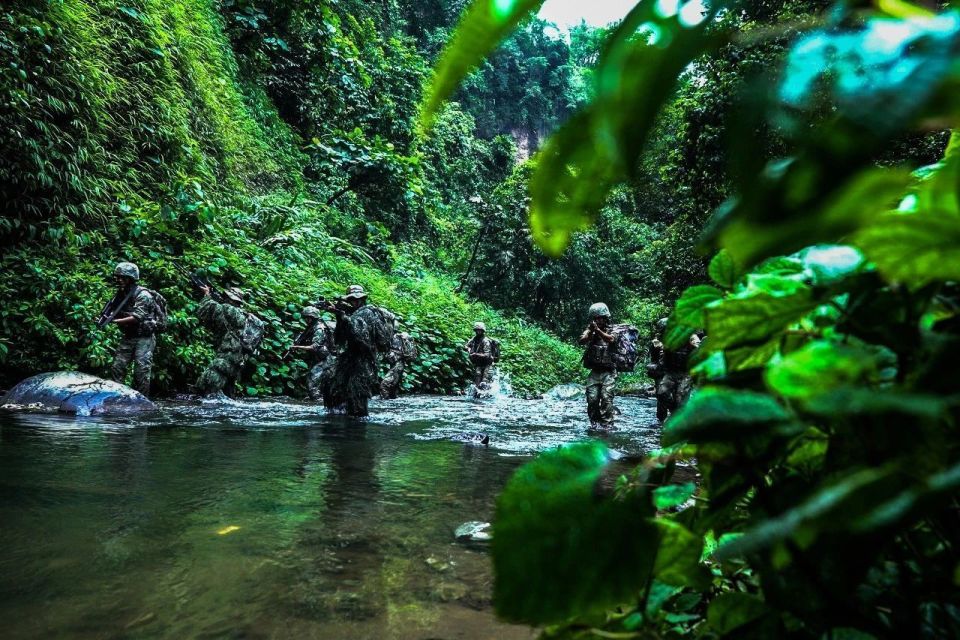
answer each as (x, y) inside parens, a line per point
(322, 356)
(403, 351)
(238, 339)
(361, 336)
(484, 353)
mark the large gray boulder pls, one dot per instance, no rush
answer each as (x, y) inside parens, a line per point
(77, 393)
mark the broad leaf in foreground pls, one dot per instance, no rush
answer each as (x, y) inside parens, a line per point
(562, 547)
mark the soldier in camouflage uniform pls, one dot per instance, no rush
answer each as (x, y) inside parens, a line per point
(320, 350)
(227, 321)
(402, 352)
(597, 357)
(673, 380)
(480, 350)
(363, 332)
(137, 342)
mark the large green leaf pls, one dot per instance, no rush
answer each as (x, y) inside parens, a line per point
(915, 249)
(484, 24)
(678, 556)
(730, 611)
(820, 367)
(723, 269)
(755, 318)
(600, 146)
(562, 549)
(717, 414)
(688, 316)
(749, 240)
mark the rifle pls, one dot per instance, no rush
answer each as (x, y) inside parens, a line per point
(113, 307)
(197, 282)
(301, 340)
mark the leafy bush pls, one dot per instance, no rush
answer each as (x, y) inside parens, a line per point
(825, 432)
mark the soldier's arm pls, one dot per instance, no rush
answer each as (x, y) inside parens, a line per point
(142, 304)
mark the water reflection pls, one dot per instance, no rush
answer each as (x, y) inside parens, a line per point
(267, 519)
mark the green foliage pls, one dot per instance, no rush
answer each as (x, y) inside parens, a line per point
(826, 436)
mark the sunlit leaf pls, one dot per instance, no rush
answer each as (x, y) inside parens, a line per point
(688, 315)
(819, 367)
(723, 270)
(914, 249)
(754, 319)
(719, 414)
(483, 25)
(598, 148)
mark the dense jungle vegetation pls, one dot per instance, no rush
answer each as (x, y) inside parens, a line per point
(825, 425)
(780, 173)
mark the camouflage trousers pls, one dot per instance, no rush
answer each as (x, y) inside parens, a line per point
(222, 373)
(673, 389)
(314, 376)
(390, 385)
(138, 351)
(482, 375)
(600, 394)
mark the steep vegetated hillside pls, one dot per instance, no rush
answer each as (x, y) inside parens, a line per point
(273, 149)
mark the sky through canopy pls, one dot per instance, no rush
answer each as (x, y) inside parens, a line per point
(568, 13)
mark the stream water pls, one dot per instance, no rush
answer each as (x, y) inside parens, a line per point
(267, 519)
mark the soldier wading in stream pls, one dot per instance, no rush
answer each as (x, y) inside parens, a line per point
(598, 357)
(240, 334)
(319, 349)
(139, 319)
(484, 353)
(363, 332)
(403, 351)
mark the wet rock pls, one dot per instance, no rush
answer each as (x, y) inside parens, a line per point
(478, 439)
(474, 531)
(77, 393)
(569, 391)
(439, 565)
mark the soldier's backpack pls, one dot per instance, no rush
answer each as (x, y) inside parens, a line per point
(495, 350)
(623, 350)
(383, 330)
(408, 348)
(157, 323)
(252, 334)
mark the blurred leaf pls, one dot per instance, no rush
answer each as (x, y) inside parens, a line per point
(833, 508)
(723, 269)
(915, 249)
(672, 495)
(730, 611)
(678, 556)
(716, 414)
(560, 549)
(819, 367)
(600, 146)
(483, 25)
(688, 315)
(754, 318)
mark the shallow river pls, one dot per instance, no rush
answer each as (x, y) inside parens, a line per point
(267, 519)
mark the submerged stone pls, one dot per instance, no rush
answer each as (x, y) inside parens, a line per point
(474, 532)
(77, 393)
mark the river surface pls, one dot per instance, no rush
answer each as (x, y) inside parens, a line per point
(267, 519)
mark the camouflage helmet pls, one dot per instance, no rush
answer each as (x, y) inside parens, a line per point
(598, 310)
(662, 324)
(235, 294)
(355, 291)
(479, 326)
(127, 270)
(311, 312)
